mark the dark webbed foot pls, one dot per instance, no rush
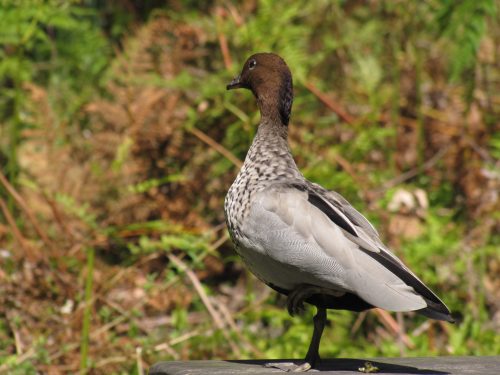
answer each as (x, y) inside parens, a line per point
(312, 357)
(289, 366)
(295, 304)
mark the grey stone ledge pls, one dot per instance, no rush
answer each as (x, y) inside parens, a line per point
(340, 366)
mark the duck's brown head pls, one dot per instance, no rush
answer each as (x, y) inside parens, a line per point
(270, 80)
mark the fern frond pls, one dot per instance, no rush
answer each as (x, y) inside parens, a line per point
(464, 24)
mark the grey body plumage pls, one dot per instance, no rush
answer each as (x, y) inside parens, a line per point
(301, 239)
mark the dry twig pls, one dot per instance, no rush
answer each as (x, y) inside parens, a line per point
(346, 166)
(206, 301)
(216, 146)
(19, 359)
(389, 322)
(330, 103)
(22, 204)
(13, 226)
(199, 289)
(138, 358)
(224, 48)
(413, 172)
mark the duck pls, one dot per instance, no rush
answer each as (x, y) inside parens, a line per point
(302, 240)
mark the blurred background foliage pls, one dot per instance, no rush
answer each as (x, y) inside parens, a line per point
(118, 142)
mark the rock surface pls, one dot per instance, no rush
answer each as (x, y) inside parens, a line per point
(340, 366)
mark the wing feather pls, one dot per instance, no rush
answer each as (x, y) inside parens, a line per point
(363, 230)
(333, 245)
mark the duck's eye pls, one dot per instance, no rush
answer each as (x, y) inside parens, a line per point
(251, 64)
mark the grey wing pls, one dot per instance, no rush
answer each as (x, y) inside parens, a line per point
(363, 227)
(360, 231)
(350, 211)
(295, 227)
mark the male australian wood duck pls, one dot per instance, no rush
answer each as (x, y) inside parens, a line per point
(301, 239)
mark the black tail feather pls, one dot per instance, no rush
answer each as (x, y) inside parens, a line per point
(436, 311)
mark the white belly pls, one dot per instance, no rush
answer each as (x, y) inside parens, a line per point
(300, 267)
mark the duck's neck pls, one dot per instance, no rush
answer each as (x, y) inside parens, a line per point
(270, 151)
(275, 100)
(272, 131)
(271, 115)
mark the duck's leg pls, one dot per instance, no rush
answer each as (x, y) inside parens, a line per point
(312, 356)
(295, 305)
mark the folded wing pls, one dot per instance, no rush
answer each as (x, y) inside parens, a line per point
(333, 229)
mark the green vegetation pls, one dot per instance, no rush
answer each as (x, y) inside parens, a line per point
(118, 142)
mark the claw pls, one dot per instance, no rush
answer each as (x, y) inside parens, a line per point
(306, 366)
(295, 304)
(289, 366)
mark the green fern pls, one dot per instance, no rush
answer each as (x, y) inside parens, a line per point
(464, 24)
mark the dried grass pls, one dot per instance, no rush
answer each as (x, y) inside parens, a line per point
(136, 133)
